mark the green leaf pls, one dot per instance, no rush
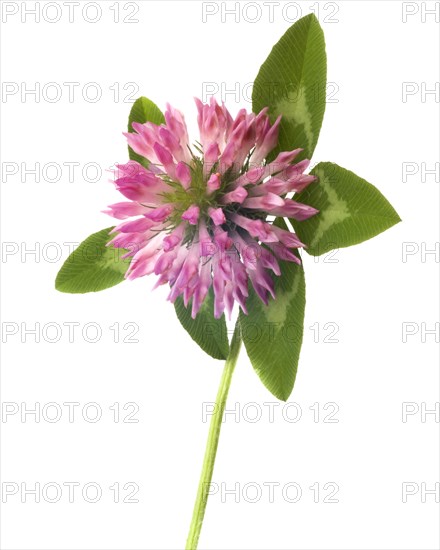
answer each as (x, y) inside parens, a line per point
(92, 266)
(207, 331)
(292, 83)
(273, 334)
(143, 110)
(351, 210)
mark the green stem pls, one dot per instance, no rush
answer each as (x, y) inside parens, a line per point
(212, 443)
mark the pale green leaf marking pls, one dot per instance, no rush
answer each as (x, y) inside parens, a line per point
(292, 83)
(351, 210)
(277, 310)
(297, 113)
(336, 212)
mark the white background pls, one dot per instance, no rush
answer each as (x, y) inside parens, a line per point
(368, 291)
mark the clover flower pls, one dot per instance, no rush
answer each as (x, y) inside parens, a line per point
(199, 217)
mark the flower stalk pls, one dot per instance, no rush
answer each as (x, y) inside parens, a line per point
(212, 443)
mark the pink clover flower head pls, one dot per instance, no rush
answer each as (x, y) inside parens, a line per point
(198, 216)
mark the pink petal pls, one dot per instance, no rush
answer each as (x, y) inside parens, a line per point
(123, 210)
(160, 213)
(217, 215)
(213, 183)
(192, 214)
(174, 238)
(238, 195)
(183, 174)
(135, 226)
(268, 202)
(293, 209)
(165, 158)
